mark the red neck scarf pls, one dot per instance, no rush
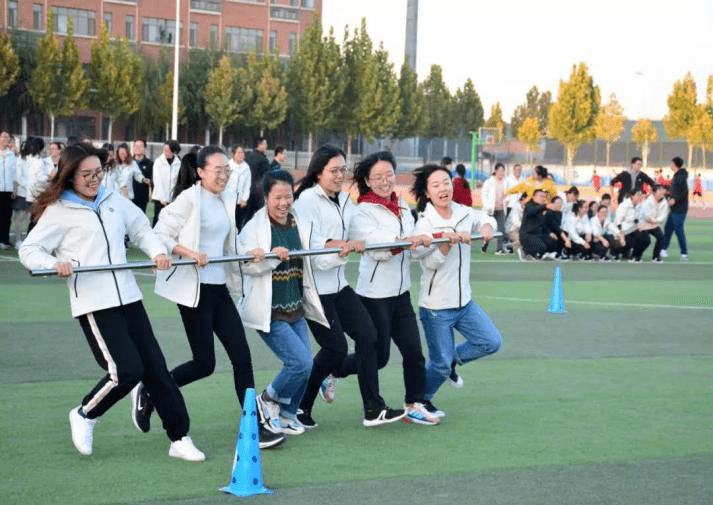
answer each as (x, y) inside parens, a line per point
(392, 204)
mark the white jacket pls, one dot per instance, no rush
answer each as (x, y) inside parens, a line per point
(653, 211)
(325, 221)
(69, 231)
(239, 181)
(20, 178)
(514, 219)
(381, 273)
(113, 180)
(488, 194)
(179, 223)
(513, 201)
(599, 229)
(37, 173)
(626, 217)
(127, 174)
(576, 227)
(7, 168)
(255, 306)
(164, 178)
(445, 280)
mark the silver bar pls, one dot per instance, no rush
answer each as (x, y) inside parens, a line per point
(237, 257)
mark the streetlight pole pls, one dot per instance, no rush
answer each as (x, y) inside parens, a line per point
(177, 37)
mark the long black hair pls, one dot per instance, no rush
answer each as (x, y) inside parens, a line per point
(187, 175)
(460, 170)
(363, 169)
(319, 160)
(420, 183)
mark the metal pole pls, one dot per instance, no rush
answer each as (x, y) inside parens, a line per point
(177, 36)
(238, 257)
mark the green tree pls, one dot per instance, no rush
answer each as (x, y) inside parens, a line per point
(469, 109)
(268, 103)
(313, 80)
(610, 122)
(530, 134)
(411, 99)
(117, 74)
(536, 105)
(194, 76)
(496, 121)
(709, 95)
(9, 64)
(701, 132)
(227, 95)
(573, 117)
(437, 99)
(682, 111)
(381, 116)
(644, 134)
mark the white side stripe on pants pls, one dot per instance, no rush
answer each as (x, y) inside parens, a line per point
(111, 366)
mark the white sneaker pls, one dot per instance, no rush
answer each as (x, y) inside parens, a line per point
(269, 411)
(684, 257)
(82, 431)
(18, 244)
(291, 426)
(664, 254)
(184, 449)
(418, 414)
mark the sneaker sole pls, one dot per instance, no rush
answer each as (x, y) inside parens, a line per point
(73, 414)
(369, 423)
(177, 455)
(273, 443)
(424, 422)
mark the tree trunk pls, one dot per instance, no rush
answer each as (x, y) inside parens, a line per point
(262, 132)
(220, 135)
(111, 124)
(207, 135)
(703, 157)
(51, 127)
(690, 156)
(166, 136)
(570, 161)
(608, 145)
(645, 153)
(430, 150)
(349, 146)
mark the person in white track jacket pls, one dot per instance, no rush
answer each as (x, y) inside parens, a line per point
(81, 224)
(385, 276)
(654, 213)
(239, 183)
(326, 211)
(627, 222)
(165, 175)
(445, 297)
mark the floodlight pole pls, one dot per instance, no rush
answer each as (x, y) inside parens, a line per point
(177, 37)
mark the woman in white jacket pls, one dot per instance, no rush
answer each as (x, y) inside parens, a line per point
(385, 279)
(326, 210)
(495, 203)
(239, 183)
(128, 171)
(278, 294)
(165, 175)
(579, 229)
(79, 223)
(445, 298)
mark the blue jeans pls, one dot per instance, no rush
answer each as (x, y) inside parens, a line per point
(481, 338)
(290, 343)
(674, 223)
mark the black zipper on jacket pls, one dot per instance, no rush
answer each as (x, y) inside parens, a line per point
(430, 286)
(76, 276)
(108, 249)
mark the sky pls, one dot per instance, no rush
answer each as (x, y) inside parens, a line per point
(636, 49)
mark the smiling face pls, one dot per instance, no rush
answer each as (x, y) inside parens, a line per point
(167, 153)
(87, 178)
(4, 140)
(54, 151)
(139, 148)
(332, 176)
(602, 214)
(123, 156)
(279, 201)
(214, 175)
(439, 189)
(239, 155)
(382, 179)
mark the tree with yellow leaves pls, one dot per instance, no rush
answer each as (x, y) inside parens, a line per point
(530, 135)
(610, 123)
(701, 132)
(644, 133)
(682, 111)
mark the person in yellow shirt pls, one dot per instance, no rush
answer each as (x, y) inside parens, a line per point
(541, 180)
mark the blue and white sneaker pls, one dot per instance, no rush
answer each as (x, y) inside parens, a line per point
(328, 389)
(269, 413)
(417, 414)
(291, 426)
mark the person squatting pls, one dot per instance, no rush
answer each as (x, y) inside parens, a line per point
(81, 221)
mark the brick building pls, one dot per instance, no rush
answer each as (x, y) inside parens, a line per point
(240, 26)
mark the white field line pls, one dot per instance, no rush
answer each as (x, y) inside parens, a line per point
(601, 304)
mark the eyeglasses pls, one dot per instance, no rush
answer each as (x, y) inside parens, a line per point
(338, 171)
(382, 178)
(88, 176)
(221, 172)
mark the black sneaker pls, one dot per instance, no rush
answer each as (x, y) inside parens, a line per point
(383, 415)
(141, 408)
(484, 247)
(454, 379)
(269, 440)
(305, 418)
(433, 410)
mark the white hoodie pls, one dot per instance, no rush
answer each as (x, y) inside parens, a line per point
(625, 217)
(37, 171)
(180, 223)
(69, 231)
(7, 167)
(239, 181)
(325, 220)
(654, 211)
(578, 226)
(165, 177)
(255, 306)
(445, 280)
(381, 273)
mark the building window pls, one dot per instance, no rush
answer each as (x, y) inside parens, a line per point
(161, 31)
(273, 41)
(130, 28)
(291, 43)
(84, 21)
(287, 13)
(107, 22)
(243, 40)
(295, 3)
(193, 34)
(207, 5)
(214, 36)
(12, 13)
(308, 4)
(36, 16)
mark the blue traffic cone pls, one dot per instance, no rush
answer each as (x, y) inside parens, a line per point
(557, 294)
(246, 479)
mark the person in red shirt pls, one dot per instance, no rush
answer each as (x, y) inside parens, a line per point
(596, 181)
(698, 189)
(461, 188)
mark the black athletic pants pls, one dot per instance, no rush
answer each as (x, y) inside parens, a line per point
(395, 320)
(658, 235)
(215, 313)
(157, 207)
(124, 345)
(346, 314)
(637, 241)
(537, 245)
(5, 217)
